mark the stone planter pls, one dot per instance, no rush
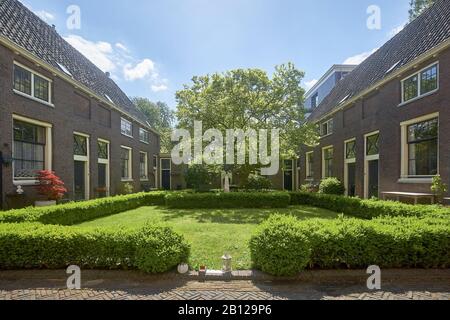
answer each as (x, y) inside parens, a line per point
(45, 203)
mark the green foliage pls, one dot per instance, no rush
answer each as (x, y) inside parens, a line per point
(366, 209)
(279, 248)
(419, 6)
(160, 117)
(352, 243)
(125, 188)
(31, 245)
(233, 200)
(439, 188)
(198, 177)
(159, 249)
(332, 186)
(77, 212)
(258, 183)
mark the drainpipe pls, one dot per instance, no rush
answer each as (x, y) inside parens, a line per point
(1, 180)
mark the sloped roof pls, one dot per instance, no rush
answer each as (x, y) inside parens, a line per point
(24, 28)
(421, 35)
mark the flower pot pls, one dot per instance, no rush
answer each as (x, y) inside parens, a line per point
(48, 203)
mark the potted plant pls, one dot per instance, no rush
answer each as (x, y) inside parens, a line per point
(51, 187)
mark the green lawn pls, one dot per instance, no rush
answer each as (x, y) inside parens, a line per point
(211, 233)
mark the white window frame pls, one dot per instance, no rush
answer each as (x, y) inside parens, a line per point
(419, 80)
(107, 163)
(329, 132)
(146, 166)
(130, 165)
(85, 159)
(367, 159)
(127, 122)
(404, 173)
(323, 160)
(48, 153)
(308, 166)
(146, 133)
(32, 97)
(347, 162)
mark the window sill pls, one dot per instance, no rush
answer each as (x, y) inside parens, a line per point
(145, 180)
(145, 142)
(25, 183)
(413, 180)
(127, 180)
(418, 98)
(126, 135)
(48, 104)
(325, 136)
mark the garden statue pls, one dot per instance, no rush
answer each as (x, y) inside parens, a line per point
(226, 185)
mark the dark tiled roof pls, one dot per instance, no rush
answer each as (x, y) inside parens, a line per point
(23, 27)
(421, 35)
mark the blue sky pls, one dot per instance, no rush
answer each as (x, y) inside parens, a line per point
(154, 47)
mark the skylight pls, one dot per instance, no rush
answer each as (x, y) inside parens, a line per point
(393, 67)
(109, 98)
(64, 69)
(345, 98)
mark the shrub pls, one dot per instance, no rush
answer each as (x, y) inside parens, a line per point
(125, 188)
(280, 248)
(182, 200)
(31, 245)
(351, 243)
(439, 188)
(258, 183)
(366, 209)
(198, 177)
(160, 249)
(332, 186)
(77, 212)
(50, 185)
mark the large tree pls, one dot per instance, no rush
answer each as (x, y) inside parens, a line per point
(249, 99)
(160, 117)
(418, 6)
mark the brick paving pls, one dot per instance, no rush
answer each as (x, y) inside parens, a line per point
(119, 285)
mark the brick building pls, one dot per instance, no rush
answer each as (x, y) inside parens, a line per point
(385, 126)
(59, 112)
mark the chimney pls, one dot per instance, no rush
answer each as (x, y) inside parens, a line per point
(108, 74)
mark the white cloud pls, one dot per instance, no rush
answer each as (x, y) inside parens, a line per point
(396, 30)
(100, 53)
(45, 15)
(357, 59)
(141, 70)
(310, 84)
(118, 60)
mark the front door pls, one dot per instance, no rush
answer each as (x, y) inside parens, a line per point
(102, 180)
(373, 178)
(288, 180)
(80, 181)
(351, 179)
(166, 174)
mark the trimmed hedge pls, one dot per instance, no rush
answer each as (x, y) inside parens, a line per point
(366, 209)
(31, 245)
(78, 212)
(182, 200)
(350, 243)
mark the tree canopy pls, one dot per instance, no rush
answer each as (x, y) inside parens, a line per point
(419, 6)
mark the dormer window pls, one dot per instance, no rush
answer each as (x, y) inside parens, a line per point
(421, 83)
(315, 101)
(326, 128)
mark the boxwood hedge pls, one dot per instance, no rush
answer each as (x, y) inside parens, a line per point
(77, 212)
(365, 209)
(182, 200)
(350, 243)
(153, 249)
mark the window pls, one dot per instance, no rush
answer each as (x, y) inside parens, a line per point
(143, 166)
(155, 162)
(350, 150)
(31, 84)
(144, 136)
(125, 163)
(309, 165)
(29, 153)
(328, 157)
(126, 127)
(103, 150)
(421, 83)
(372, 145)
(80, 146)
(315, 101)
(423, 148)
(326, 128)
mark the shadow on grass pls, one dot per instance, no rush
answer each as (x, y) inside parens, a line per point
(244, 216)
